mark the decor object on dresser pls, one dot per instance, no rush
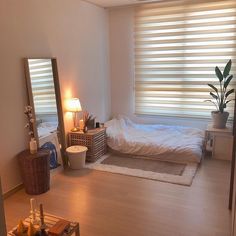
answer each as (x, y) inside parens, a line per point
(215, 139)
(30, 125)
(76, 156)
(221, 96)
(94, 140)
(89, 121)
(35, 171)
(74, 106)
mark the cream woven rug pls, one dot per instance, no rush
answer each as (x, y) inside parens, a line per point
(174, 173)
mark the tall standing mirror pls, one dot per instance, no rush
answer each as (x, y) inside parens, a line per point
(45, 98)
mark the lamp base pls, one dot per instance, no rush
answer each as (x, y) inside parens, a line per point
(75, 129)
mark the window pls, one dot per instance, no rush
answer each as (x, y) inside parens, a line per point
(42, 83)
(177, 46)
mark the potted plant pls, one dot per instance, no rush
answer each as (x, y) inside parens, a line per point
(220, 96)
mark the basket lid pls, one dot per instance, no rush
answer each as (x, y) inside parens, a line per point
(76, 149)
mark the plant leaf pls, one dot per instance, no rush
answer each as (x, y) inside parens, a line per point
(213, 87)
(214, 96)
(229, 92)
(212, 103)
(227, 68)
(219, 74)
(229, 101)
(226, 83)
(225, 104)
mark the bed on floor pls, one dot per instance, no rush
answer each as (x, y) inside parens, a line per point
(47, 133)
(170, 143)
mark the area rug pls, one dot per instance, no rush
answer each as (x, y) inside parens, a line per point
(175, 173)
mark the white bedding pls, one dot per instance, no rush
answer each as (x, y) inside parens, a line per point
(47, 132)
(173, 143)
(45, 128)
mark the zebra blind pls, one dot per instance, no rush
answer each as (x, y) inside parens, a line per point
(42, 84)
(177, 46)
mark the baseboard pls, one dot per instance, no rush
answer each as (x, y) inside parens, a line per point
(12, 191)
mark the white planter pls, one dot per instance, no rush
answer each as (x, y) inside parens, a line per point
(77, 156)
(219, 119)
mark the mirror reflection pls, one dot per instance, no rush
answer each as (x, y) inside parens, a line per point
(43, 98)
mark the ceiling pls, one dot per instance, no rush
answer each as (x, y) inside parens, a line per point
(116, 3)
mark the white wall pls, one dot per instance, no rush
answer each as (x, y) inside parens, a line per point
(122, 71)
(73, 31)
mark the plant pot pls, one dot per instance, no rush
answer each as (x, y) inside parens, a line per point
(219, 119)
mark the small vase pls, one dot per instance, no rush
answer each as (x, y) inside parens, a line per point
(33, 146)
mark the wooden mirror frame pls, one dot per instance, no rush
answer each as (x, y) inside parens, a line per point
(58, 102)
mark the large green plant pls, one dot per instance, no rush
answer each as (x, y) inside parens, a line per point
(220, 95)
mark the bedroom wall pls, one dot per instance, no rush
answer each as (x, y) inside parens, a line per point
(122, 71)
(76, 33)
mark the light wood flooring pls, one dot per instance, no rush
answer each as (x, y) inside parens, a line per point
(109, 204)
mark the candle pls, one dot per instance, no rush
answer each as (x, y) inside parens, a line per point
(33, 210)
(43, 226)
(32, 204)
(81, 124)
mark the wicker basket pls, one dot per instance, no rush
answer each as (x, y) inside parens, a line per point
(35, 171)
(94, 140)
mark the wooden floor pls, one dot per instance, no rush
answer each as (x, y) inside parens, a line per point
(108, 204)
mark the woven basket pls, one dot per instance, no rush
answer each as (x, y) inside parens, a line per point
(35, 171)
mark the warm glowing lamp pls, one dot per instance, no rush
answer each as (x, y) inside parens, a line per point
(73, 105)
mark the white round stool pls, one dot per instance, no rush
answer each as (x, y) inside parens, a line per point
(76, 155)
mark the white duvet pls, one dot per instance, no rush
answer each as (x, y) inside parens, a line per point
(46, 128)
(173, 143)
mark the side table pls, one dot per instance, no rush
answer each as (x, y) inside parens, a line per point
(219, 142)
(35, 171)
(94, 140)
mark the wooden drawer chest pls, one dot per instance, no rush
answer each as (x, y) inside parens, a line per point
(94, 140)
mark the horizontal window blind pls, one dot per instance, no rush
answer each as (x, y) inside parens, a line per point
(177, 46)
(42, 84)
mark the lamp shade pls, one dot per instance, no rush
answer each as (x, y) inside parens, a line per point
(73, 105)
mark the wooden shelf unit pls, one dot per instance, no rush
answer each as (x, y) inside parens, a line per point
(221, 142)
(94, 140)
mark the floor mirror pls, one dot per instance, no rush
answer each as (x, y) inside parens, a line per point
(45, 98)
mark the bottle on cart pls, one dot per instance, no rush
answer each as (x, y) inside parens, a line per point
(43, 225)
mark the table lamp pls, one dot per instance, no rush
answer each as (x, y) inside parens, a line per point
(73, 105)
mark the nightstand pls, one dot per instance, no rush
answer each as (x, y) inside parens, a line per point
(219, 142)
(94, 140)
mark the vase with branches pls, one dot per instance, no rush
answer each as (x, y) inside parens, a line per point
(30, 126)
